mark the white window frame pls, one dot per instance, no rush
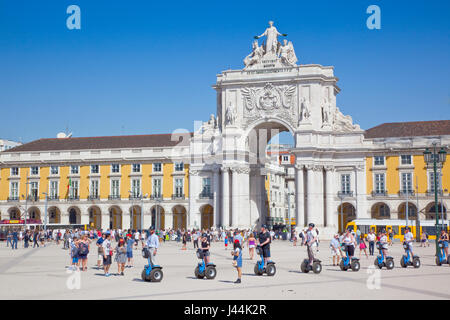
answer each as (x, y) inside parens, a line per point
(12, 173)
(53, 194)
(376, 183)
(175, 186)
(98, 169)
(347, 183)
(133, 167)
(91, 182)
(114, 194)
(31, 171)
(133, 187)
(402, 189)
(160, 167)
(112, 166)
(157, 195)
(379, 165)
(11, 195)
(72, 167)
(177, 166)
(51, 170)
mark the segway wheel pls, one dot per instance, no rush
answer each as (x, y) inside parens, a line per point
(156, 275)
(448, 260)
(304, 266)
(355, 266)
(376, 264)
(438, 262)
(210, 272)
(390, 264)
(197, 273)
(402, 262)
(257, 271)
(342, 266)
(271, 270)
(416, 263)
(317, 267)
(144, 275)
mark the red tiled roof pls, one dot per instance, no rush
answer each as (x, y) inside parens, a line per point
(409, 129)
(111, 142)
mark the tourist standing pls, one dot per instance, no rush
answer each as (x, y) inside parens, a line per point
(83, 251)
(107, 252)
(371, 239)
(100, 250)
(251, 245)
(129, 251)
(237, 259)
(121, 257)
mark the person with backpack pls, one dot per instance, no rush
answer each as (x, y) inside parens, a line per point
(74, 254)
(83, 247)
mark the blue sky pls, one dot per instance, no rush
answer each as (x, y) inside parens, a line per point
(139, 67)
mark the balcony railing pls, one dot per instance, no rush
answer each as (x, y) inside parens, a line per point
(206, 195)
(33, 198)
(73, 198)
(53, 198)
(13, 199)
(93, 197)
(114, 197)
(379, 193)
(345, 194)
(177, 196)
(430, 193)
(135, 197)
(156, 197)
(403, 193)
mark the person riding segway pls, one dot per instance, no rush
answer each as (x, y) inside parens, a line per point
(265, 265)
(311, 263)
(152, 271)
(205, 267)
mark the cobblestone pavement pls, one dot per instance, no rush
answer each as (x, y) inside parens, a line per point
(42, 273)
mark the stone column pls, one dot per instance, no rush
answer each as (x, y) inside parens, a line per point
(105, 221)
(331, 216)
(147, 217)
(225, 222)
(234, 196)
(217, 220)
(126, 219)
(299, 197)
(84, 218)
(168, 219)
(309, 194)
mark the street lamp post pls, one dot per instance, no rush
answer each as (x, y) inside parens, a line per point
(435, 158)
(26, 204)
(289, 212)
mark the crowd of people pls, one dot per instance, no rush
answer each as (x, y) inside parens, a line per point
(118, 244)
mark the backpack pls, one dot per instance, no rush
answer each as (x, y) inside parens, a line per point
(83, 250)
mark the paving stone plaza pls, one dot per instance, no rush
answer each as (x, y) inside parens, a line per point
(41, 273)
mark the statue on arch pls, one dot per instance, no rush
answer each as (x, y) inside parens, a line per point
(287, 53)
(255, 56)
(305, 112)
(326, 113)
(271, 35)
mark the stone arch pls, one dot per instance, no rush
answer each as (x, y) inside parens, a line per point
(207, 216)
(95, 217)
(158, 217)
(135, 217)
(115, 217)
(74, 215)
(34, 213)
(14, 213)
(348, 214)
(179, 217)
(54, 215)
(412, 210)
(380, 210)
(430, 211)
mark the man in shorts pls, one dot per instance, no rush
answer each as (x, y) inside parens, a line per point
(409, 239)
(335, 249)
(107, 254)
(264, 240)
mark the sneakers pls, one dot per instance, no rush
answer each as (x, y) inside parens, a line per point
(238, 280)
(107, 274)
(122, 273)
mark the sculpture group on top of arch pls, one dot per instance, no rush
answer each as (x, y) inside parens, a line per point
(271, 49)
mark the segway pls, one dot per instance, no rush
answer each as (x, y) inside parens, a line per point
(204, 270)
(346, 264)
(316, 266)
(151, 272)
(382, 261)
(441, 258)
(408, 260)
(261, 267)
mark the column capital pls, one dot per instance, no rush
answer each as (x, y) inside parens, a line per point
(359, 167)
(329, 168)
(238, 169)
(299, 166)
(194, 172)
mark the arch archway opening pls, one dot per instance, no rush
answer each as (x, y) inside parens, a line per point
(34, 213)
(115, 217)
(207, 216)
(179, 217)
(54, 215)
(135, 215)
(430, 211)
(347, 215)
(158, 217)
(95, 217)
(380, 210)
(14, 213)
(74, 215)
(412, 211)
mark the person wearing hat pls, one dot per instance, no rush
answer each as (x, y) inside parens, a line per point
(152, 244)
(335, 249)
(205, 247)
(310, 239)
(264, 241)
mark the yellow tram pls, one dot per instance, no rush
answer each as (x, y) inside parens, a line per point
(398, 226)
